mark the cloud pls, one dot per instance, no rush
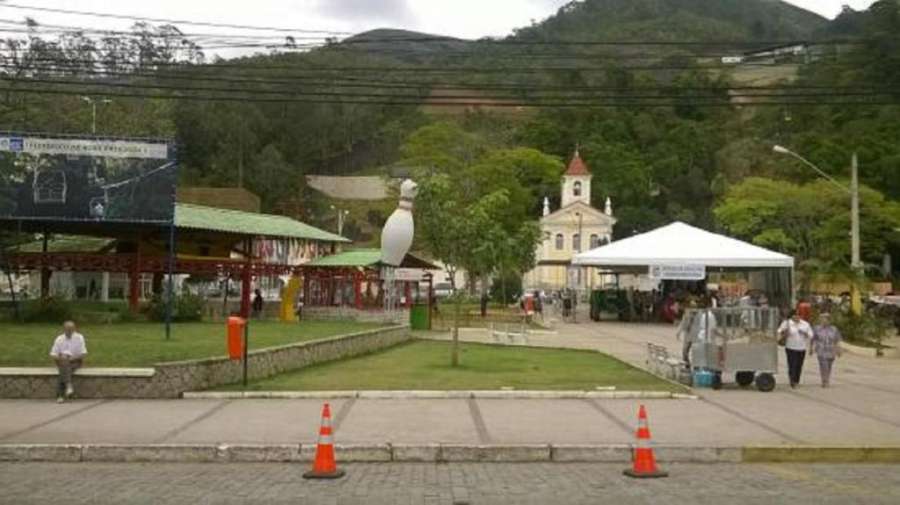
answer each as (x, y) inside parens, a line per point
(392, 12)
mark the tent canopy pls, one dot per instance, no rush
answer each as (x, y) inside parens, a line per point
(679, 243)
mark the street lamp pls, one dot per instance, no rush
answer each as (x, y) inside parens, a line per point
(93, 102)
(853, 190)
(341, 214)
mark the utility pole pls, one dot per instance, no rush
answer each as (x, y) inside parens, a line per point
(856, 260)
(855, 256)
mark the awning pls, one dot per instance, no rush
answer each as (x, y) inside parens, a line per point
(680, 243)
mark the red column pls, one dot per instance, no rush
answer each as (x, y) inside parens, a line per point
(357, 291)
(246, 278)
(134, 284)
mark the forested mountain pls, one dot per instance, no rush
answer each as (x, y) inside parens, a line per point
(677, 20)
(660, 123)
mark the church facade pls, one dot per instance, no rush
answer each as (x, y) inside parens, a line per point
(575, 227)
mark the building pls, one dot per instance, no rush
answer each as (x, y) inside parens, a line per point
(577, 226)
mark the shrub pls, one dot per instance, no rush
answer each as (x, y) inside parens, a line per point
(47, 310)
(866, 328)
(187, 308)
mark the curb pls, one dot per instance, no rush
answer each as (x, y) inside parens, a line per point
(437, 395)
(437, 453)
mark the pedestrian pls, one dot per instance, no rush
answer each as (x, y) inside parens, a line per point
(68, 352)
(795, 335)
(826, 346)
(258, 303)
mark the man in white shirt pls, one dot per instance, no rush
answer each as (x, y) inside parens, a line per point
(68, 352)
(797, 335)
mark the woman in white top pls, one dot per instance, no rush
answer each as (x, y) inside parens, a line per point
(796, 335)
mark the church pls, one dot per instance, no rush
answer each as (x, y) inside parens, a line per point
(575, 227)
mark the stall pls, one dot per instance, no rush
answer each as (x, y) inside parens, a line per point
(680, 252)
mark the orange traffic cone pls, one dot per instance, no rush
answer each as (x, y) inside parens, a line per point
(324, 466)
(643, 460)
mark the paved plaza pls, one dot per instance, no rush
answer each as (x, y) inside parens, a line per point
(446, 484)
(862, 403)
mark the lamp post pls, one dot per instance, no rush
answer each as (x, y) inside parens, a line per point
(853, 190)
(93, 102)
(341, 214)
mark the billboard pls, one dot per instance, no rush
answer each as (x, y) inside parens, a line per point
(47, 178)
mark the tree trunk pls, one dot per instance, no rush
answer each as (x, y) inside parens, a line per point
(454, 352)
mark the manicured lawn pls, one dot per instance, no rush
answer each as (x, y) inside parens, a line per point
(425, 365)
(143, 344)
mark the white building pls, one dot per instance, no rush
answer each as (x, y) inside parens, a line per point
(577, 226)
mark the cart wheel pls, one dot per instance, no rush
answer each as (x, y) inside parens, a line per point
(744, 379)
(765, 382)
(717, 380)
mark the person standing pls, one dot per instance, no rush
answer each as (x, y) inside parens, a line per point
(826, 346)
(258, 304)
(68, 352)
(795, 334)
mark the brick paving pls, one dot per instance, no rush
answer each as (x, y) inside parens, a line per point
(445, 484)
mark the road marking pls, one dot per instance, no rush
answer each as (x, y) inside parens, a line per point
(483, 436)
(205, 415)
(609, 416)
(752, 421)
(52, 420)
(343, 412)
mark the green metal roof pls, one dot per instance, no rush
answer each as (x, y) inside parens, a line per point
(199, 217)
(353, 258)
(366, 258)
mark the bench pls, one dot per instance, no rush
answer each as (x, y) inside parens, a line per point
(81, 372)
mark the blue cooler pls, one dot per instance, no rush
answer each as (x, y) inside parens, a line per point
(703, 378)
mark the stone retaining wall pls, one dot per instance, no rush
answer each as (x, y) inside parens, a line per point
(173, 379)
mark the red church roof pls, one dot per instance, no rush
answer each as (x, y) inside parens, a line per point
(577, 166)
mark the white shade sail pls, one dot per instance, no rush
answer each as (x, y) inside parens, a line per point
(680, 243)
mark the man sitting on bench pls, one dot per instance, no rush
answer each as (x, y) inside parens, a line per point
(68, 351)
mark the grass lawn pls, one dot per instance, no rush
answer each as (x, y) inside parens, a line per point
(425, 365)
(143, 344)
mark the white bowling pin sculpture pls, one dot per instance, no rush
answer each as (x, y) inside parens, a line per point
(398, 231)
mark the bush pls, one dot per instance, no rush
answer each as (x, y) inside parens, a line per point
(866, 329)
(47, 310)
(187, 308)
(511, 284)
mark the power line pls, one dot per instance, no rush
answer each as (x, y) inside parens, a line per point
(345, 82)
(168, 21)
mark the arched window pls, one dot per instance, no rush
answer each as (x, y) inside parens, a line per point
(576, 242)
(576, 189)
(595, 241)
(560, 242)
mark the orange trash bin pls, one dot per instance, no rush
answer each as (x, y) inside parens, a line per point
(235, 337)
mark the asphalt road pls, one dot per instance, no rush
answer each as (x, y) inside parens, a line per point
(450, 484)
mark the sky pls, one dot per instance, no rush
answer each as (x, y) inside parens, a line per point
(458, 18)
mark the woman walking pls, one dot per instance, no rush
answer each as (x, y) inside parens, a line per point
(826, 346)
(796, 335)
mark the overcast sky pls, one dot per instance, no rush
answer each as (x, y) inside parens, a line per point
(460, 18)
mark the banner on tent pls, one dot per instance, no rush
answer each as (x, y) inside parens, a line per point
(678, 272)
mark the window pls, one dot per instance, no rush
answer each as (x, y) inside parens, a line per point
(595, 241)
(560, 242)
(576, 242)
(576, 189)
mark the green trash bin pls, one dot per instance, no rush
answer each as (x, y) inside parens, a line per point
(420, 317)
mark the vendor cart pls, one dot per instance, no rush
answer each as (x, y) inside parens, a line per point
(736, 340)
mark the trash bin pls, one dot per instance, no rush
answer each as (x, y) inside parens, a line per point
(420, 317)
(235, 337)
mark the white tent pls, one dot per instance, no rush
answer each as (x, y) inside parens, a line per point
(679, 243)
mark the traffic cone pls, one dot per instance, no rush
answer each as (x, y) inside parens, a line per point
(324, 466)
(643, 460)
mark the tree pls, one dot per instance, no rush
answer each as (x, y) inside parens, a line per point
(809, 221)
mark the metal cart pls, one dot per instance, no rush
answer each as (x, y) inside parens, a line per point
(736, 340)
